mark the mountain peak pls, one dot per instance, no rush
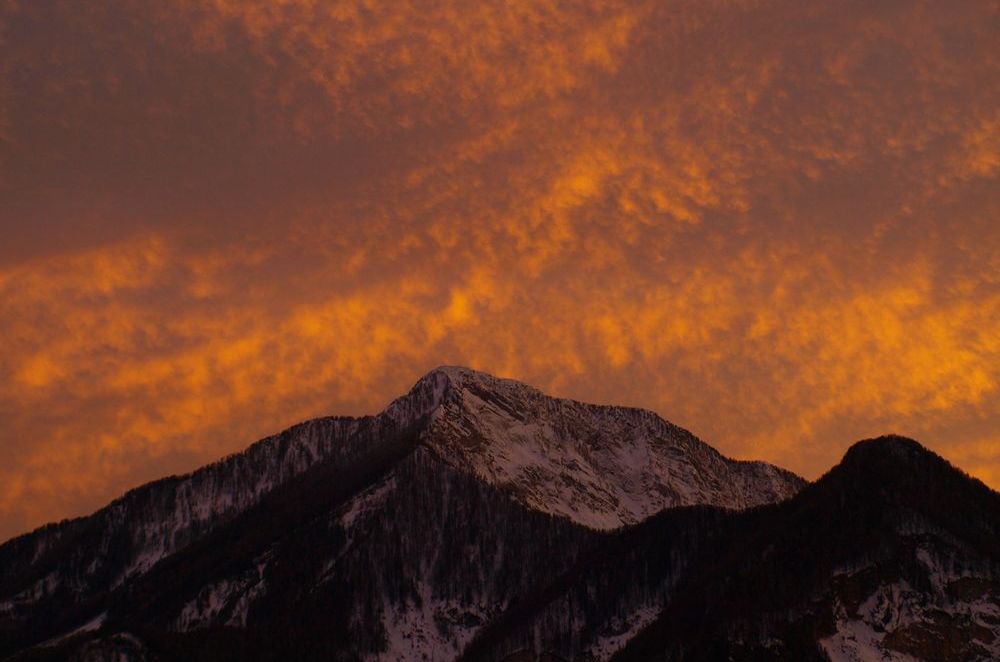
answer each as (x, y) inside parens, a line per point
(458, 373)
(601, 466)
(461, 377)
(440, 385)
(888, 445)
(897, 470)
(892, 456)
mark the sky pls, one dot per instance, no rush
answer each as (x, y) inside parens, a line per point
(776, 223)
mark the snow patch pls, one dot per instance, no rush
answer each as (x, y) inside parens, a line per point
(433, 631)
(226, 602)
(367, 502)
(895, 607)
(622, 631)
(857, 641)
(37, 591)
(90, 626)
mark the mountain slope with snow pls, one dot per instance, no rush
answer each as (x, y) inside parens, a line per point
(600, 466)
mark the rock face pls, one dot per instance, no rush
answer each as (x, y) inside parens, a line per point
(476, 517)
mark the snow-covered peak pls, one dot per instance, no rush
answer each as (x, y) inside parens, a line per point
(458, 374)
(601, 466)
(447, 384)
(421, 400)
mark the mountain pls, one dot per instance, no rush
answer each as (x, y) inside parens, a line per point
(893, 555)
(477, 518)
(601, 467)
(501, 459)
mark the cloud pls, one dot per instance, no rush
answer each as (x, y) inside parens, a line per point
(774, 223)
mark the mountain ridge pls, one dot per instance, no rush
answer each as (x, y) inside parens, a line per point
(401, 409)
(597, 466)
(478, 518)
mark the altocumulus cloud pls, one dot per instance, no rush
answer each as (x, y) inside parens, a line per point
(772, 222)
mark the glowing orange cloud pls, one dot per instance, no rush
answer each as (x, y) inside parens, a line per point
(773, 223)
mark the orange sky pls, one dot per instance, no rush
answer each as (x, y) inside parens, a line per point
(776, 223)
